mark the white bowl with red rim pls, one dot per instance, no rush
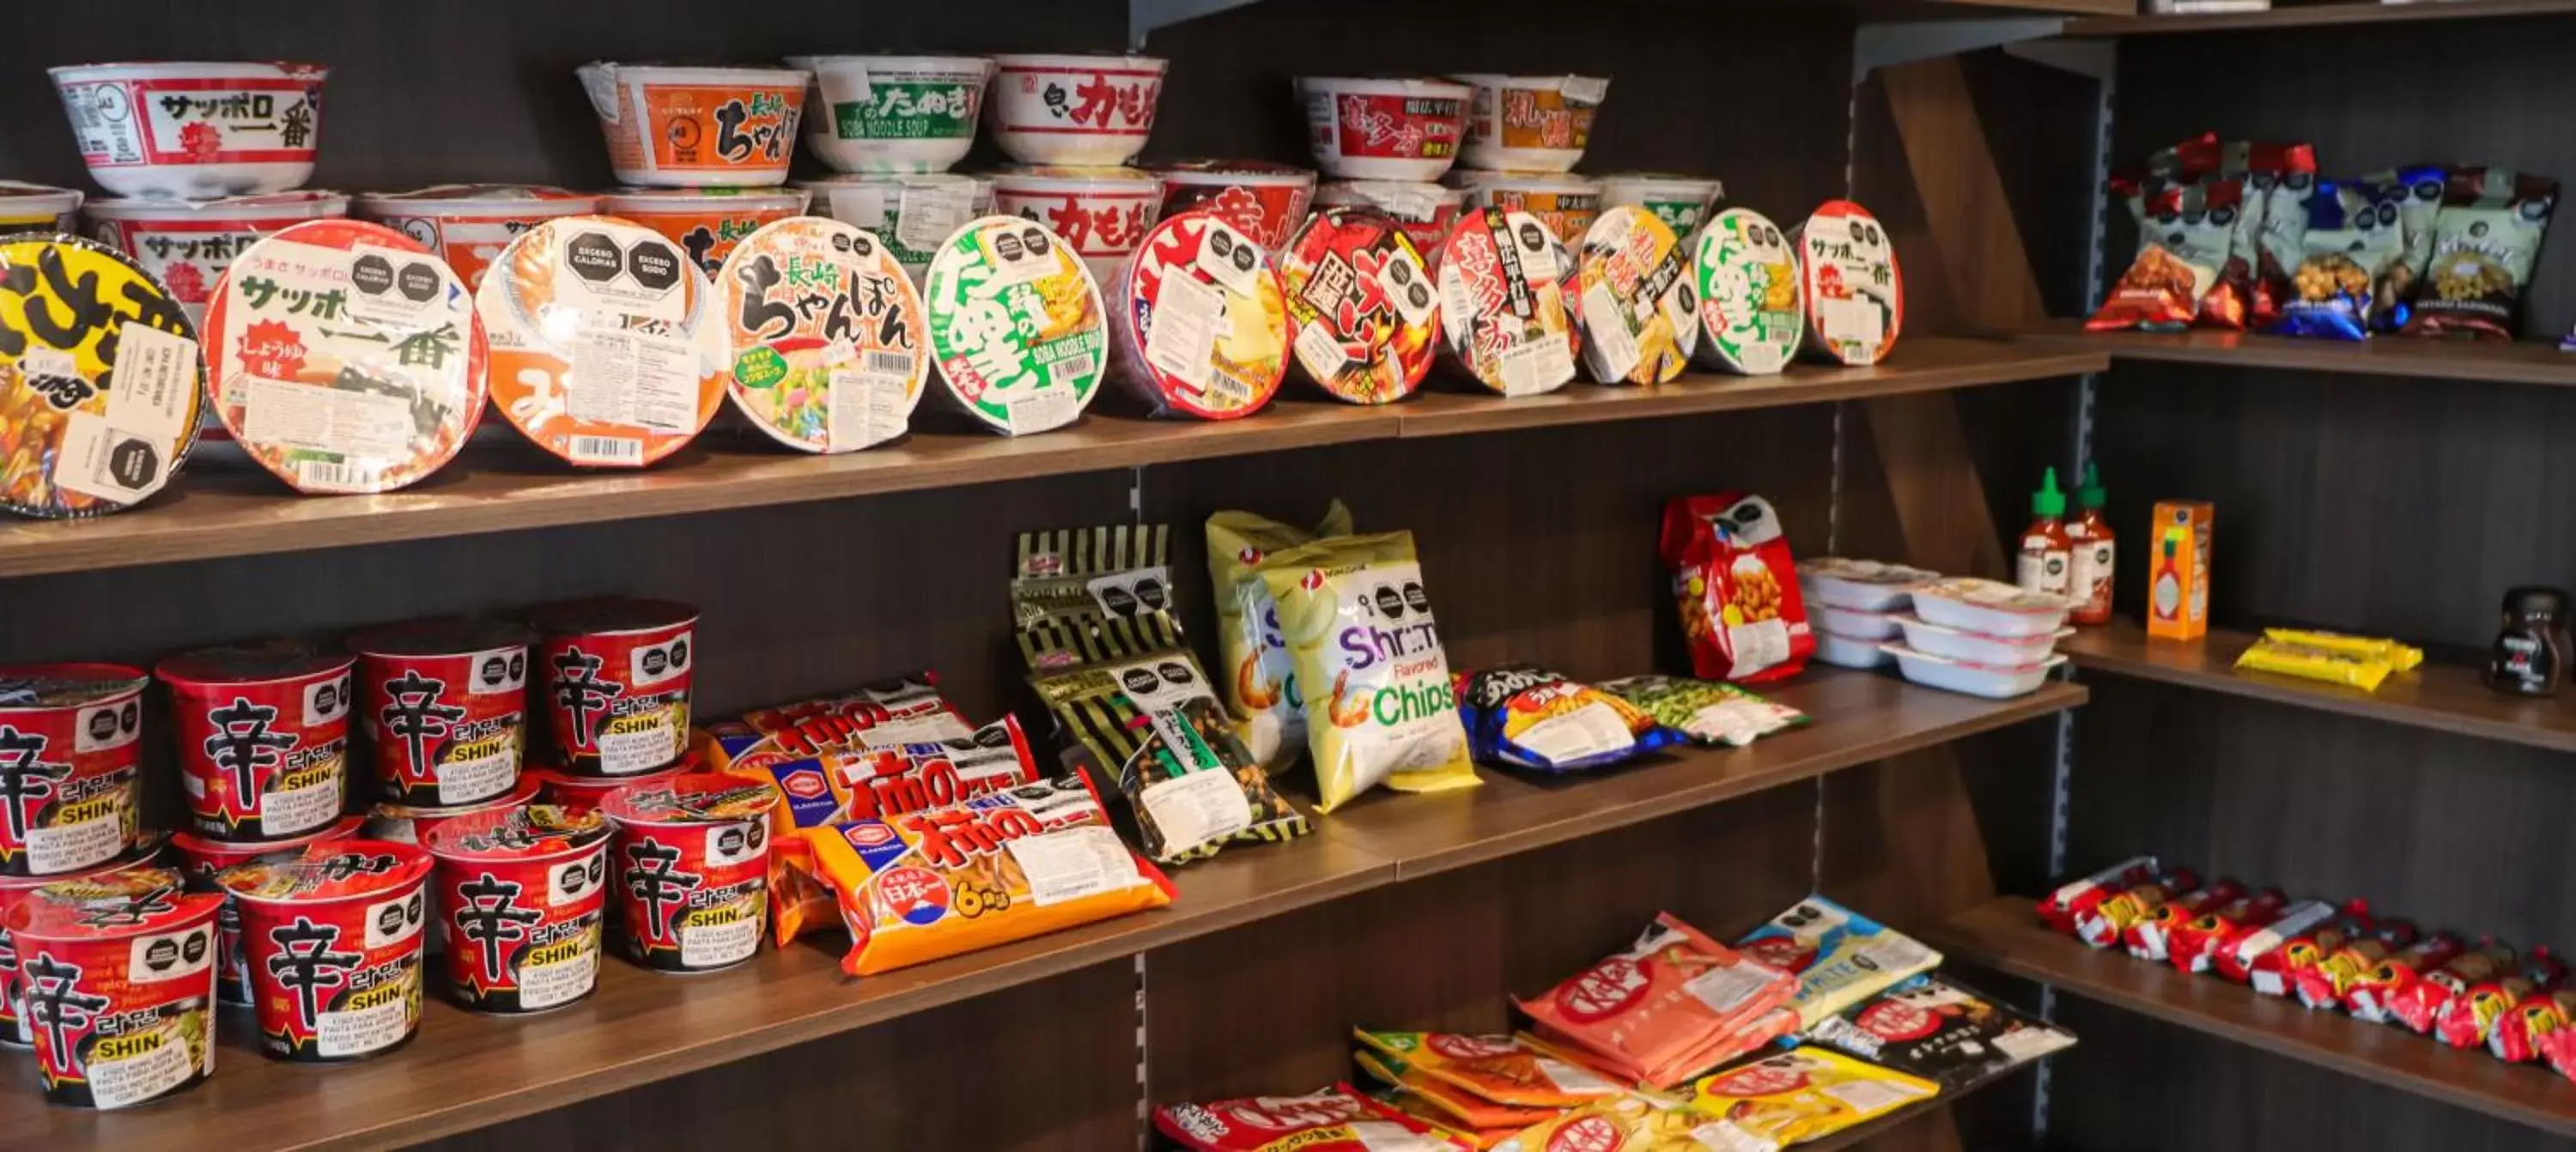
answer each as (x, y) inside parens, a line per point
(188, 245)
(469, 224)
(1073, 109)
(195, 130)
(1263, 200)
(1102, 212)
(1427, 211)
(1384, 128)
(1530, 123)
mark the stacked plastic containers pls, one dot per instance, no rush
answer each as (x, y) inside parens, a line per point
(1963, 634)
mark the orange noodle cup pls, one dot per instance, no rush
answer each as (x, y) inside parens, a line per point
(445, 706)
(263, 732)
(200, 859)
(616, 673)
(118, 972)
(333, 938)
(692, 862)
(69, 749)
(521, 892)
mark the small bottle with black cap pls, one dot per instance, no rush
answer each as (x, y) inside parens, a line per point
(2530, 657)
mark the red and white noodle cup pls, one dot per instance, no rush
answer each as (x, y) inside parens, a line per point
(587, 792)
(70, 745)
(188, 245)
(1384, 128)
(1102, 212)
(521, 893)
(118, 975)
(691, 858)
(1049, 109)
(263, 734)
(469, 224)
(616, 674)
(1427, 211)
(13, 1021)
(445, 707)
(1200, 328)
(195, 131)
(333, 937)
(1265, 200)
(200, 859)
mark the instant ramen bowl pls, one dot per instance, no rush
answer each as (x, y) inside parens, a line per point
(37, 208)
(1102, 212)
(910, 214)
(187, 245)
(1567, 204)
(1016, 326)
(707, 222)
(1530, 123)
(1264, 200)
(1683, 203)
(825, 335)
(1083, 110)
(1426, 211)
(1503, 303)
(96, 415)
(1364, 310)
(1365, 128)
(195, 131)
(680, 127)
(892, 113)
(469, 224)
(1202, 329)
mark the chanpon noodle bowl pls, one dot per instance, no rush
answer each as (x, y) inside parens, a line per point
(682, 127)
(1101, 212)
(1426, 211)
(910, 214)
(707, 222)
(586, 792)
(603, 351)
(70, 750)
(1383, 129)
(616, 673)
(1363, 309)
(195, 131)
(1202, 329)
(1530, 123)
(1683, 203)
(1566, 204)
(1265, 201)
(445, 707)
(117, 976)
(1752, 312)
(1855, 295)
(13, 1016)
(1090, 110)
(468, 225)
(96, 414)
(1639, 309)
(691, 862)
(1016, 326)
(263, 737)
(345, 357)
(38, 208)
(825, 334)
(333, 938)
(200, 859)
(186, 245)
(1502, 303)
(892, 113)
(521, 893)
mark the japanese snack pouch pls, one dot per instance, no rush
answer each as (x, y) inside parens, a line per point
(1083, 594)
(2485, 240)
(2280, 179)
(2353, 238)
(1260, 686)
(1337, 1119)
(1668, 1008)
(1741, 610)
(1705, 710)
(1355, 616)
(1798, 1096)
(928, 885)
(1500, 1069)
(1524, 716)
(1153, 724)
(2181, 251)
(1448, 1102)
(1839, 956)
(1927, 1026)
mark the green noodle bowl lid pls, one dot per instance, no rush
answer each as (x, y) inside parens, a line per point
(1752, 310)
(1016, 326)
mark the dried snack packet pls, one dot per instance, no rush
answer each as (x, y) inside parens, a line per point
(1736, 585)
(1447, 1102)
(1440, 1124)
(2398, 657)
(1152, 722)
(1805, 1094)
(2353, 237)
(2280, 179)
(1838, 955)
(1260, 686)
(1110, 584)
(2314, 664)
(1337, 1119)
(2485, 240)
(2180, 252)
(1930, 1027)
(1524, 716)
(1502, 1069)
(1708, 711)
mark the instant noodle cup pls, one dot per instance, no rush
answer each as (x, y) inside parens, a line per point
(468, 225)
(910, 214)
(333, 938)
(1752, 312)
(603, 349)
(1567, 204)
(1016, 325)
(1202, 329)
(100, 392)
(1530, 123)
(708, 222)
(1362, 309)
(195, 131)
(1502, 303)
(1073, 109)
(38, 208)
(70, 755)
(825, 334)
(117, 972)
(1102, 212)
(1855, 295)
(201, 859)
(691, 859)
(1426, 212)
(186, 245)
(1640, 313)
(583, 793)
(1263, 200)
(1365, 128)
(445, 707)
(682, 127)
(263, 736)
(1683, 203)
(412, 824)
(345, 357)
(521, 894)
(13, 1017)
(893, 113)
(616, 673)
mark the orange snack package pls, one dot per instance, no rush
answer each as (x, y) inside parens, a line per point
(1498, 1068)
(927, 885)
(1672, 1006)
(1447, 1103)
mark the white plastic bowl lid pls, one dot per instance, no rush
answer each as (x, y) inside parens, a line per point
(650, 200)
(1256, 172)
(1388, 86)
(1546, 183)
(304, 205)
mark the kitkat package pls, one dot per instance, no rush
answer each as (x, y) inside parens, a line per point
(1929, 1027)
(1672, 1006)
(1504, 1070)
(1337, 1119)
(1794, 1097)
(1839, 956)
(1737, 586)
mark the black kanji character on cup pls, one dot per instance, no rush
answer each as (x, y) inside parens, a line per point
(129, 912)
(653, 876)
(297, 125)
(52, 1004)
(26, 783)
(414, 715)
(348, 866)
(582, 695)
(758, 310)
(492, 920)
(306, 966)
(243, 746)
(732, 142)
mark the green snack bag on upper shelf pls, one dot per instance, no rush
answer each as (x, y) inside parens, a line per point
(1711, 712)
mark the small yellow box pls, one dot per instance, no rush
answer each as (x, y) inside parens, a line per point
(2178, 570)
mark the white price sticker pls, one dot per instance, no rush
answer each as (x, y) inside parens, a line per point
(928, 214)
(1186, 319)
(869, 404)
(1070, 863)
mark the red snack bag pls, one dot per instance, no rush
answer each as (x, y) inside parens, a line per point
(2151, 936)
(2192, 944)
(1738, 588)
(1673, 998)
(2280, 179)
(1337, 1119)
(2320, 976)
(2061, 907)
(2231, 290)
(2267, 956)
(2471, 1018)
(2368, 994)
(2103, 924)
(2182, 244)
(2536, 1028)
(2415, 998)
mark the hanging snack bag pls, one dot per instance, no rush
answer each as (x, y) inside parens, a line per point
(1362, 310)
(1803, 1095)
(1705, 710)
(824, 334)
(1502, 302)
(1839, 956)
(1525, 716)
(1016, 325)
(2353, 238)
(1201, 328)
(1639, 308)
(928, 885)
(1153, 723)
(1673, 1005)
(1751, 312)
(2485, 240)
(1085, 594)
(1338, 1119)
(1260, 686)
(2181, 252)
(1361, 637)
(1854, 292)
(345, 357)
(1741, 611)
(101, 386)
(1927, 1026)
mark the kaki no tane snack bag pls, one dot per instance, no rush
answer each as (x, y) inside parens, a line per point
(1741, 610)
(1259, 684)
(1379, 708)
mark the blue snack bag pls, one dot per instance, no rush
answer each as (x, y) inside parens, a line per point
(2353, 240)
(1525, 716)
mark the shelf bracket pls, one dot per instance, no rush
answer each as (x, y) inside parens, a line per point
(2091, 58)
(1145, 17)
(1876, 46)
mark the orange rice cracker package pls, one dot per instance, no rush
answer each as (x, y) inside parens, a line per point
(1258, 680)
(1670, 1007)
(924, 886)
(1337, 1119)
(1447, 1103)
(1737, 585)
(1801, 1095)
(896, 710)
(1502, 1069)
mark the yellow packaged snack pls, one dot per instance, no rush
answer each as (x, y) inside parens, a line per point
(1447, 1104)
(1260, 687)
(2398, 657)
(1379, 705)
(1504, 1069)
(1801, 1095)
(1626, 1124)
(2314, 664)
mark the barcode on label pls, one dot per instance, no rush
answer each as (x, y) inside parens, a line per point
(327, 474)
(607, 450)
(1069, 369)
(895, 363)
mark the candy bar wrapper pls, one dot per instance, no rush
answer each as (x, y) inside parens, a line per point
(2103, 925)
(2368, 996)
(2314, 664)
(2535, 1027)
(2415, 999)
(2192, 945)
(1929, 1027)
(1448, 1103)
(1803, 1095)
(2320, 975)
(2398, 657)
(2061, 907)
(1669, 998)
(2260, 957)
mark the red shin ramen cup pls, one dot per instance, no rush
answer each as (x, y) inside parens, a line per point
(445, 707)
(118, 972)
(200, 859)
(521, 892)
(333, 941)
(13, 1022)
(692, 862)
(263, 738)
(69, 745)
(616, 675)
(585, 792)
(404, 824)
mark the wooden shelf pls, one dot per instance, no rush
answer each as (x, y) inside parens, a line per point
(2316, 16)
(2446, 697)
(2521, 362)
(463, 1073)
(213, 512)
(2006, 935)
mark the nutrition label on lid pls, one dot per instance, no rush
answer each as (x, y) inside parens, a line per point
(105, 125)
(1053, 406)
(546, 985)
(1186, 316)
(632, 378)
(1320, 351)
(867, 404)
(1536, 366)
(926, 217)
(1726, 989)
(1607, 323)
(633, 751)
(300, 809)
(1196, 808)
(371, 425)
(714, 945)
(1071, 863)
(157, 1064)
(363, 1030)
(479, 778)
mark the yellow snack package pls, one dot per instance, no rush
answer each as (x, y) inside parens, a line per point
(1801, 1095)
(1626, 1124)
(1507, 1070)
(1260, 686)
(1380, 708)
(2314, 664)
(1447, 1104)
(2398, 657)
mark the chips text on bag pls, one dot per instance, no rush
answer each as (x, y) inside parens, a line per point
(1741, 610)
(1260, 687)
(1524, 716)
